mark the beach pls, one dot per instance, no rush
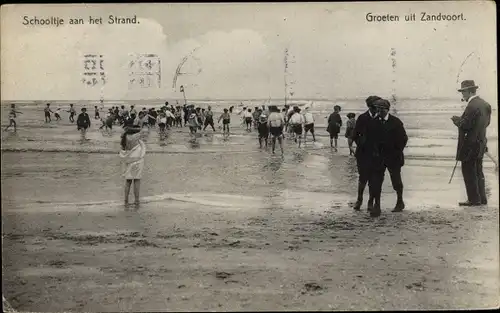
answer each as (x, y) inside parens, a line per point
(224, 225)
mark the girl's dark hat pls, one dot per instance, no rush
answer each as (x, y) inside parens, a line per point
(467, 84)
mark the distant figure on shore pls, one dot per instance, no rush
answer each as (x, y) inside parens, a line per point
(47, 112)
(349, 130)
(96, 114)
(132, 154)
(334, 125)
(12, 117)
(472, 143)
(82, 124)
(390, 141)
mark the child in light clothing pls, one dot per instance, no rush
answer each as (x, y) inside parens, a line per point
(12, 117)
(349, 131)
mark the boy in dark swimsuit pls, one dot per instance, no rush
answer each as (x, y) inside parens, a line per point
(334, 124)
(72, 113)
(96, 115)
(209, 119)
(199, 117)
(47, 113)
(226, 120)
(276, 124)
(263, 129)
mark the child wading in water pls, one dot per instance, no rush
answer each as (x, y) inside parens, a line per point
(334, 124)
(47, 111)
(296, 121)
(82, 124)
(72, 113)
(58, 114)
(209, 119)
(107, 123)
(308, 124)
(247, 119)
(12, 117)
(162, 124)
(349, 131)
(96, 115)
(193, 125)
(276, 124)
(263, 129)
(133, 153)
(226, 120)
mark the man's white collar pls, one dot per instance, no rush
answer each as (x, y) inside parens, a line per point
(470, 99)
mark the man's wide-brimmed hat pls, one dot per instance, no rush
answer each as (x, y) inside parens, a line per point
(467, 84)
(382, 104)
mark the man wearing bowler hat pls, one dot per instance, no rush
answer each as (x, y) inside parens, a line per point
(362, 136)
(472, 142)
(390, 141)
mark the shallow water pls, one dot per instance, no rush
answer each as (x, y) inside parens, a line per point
(257, 179)
(427, 121)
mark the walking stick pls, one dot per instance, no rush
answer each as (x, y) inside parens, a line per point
(453, 173)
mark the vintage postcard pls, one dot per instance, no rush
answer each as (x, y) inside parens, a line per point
(249, 156)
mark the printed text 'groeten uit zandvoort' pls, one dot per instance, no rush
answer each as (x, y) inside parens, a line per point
(414, 17)
(58, 21)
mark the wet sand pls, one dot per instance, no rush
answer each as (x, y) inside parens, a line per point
(226, 226)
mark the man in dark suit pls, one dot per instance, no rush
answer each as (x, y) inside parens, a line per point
(364, 149)
(472, 142)
(390, 141)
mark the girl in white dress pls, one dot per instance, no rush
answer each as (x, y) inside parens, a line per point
(132, 154)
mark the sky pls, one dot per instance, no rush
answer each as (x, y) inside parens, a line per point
(334, 52)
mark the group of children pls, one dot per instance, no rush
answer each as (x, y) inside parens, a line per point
(267, 122)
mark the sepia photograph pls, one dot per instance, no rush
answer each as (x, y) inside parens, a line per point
(289, 156)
